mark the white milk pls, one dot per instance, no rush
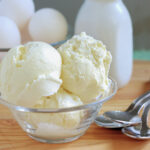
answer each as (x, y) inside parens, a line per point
(109, 21)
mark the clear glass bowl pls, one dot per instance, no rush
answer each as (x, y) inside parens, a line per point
(58, 125)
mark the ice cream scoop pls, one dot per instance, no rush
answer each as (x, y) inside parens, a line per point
(85, 67)
(29, 72)
(62, 99)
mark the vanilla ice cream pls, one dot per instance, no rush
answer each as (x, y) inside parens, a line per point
(85, 67)
(37, 75)
(29, 72)
(62, 99)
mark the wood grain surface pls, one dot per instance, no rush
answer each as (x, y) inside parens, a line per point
(12, 137)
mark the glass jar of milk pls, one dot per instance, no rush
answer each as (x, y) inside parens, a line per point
(110, 22)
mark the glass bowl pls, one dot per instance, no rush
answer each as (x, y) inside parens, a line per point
(58, 125)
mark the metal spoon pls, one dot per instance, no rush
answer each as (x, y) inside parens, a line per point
(127, 118)
(102, 121)
(115, 118)
(141, 131)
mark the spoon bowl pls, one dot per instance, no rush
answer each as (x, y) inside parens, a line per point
(134, 132)
(102, 121)
(125, 118)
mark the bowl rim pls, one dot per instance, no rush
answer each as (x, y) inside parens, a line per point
(96, 101)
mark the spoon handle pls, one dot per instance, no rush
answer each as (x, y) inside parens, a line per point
(145, 128)
(139, 106)
(138, 100)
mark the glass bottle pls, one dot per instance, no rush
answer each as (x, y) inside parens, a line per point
(110, 22)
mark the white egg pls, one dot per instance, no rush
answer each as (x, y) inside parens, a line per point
(48, 25)
(9, 33)
(18, 10)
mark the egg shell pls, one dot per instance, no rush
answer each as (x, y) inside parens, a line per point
(18, 10)
(48, 25)
(9, 33)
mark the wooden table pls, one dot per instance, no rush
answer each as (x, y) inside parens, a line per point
(12, 137)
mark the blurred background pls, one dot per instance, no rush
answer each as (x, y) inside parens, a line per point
(139, 11)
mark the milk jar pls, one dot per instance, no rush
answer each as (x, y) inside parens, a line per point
(110, 22)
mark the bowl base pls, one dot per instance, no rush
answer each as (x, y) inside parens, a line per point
(66, 140)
